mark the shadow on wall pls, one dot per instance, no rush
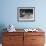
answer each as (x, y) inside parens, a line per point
(2, 26)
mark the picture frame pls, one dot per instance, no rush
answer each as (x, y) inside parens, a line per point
(26, 14)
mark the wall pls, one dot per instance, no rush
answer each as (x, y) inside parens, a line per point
(9, 13)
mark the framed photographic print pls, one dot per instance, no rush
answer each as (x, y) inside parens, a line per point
(26, 14)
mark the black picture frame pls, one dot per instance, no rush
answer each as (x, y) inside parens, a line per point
(26, 14)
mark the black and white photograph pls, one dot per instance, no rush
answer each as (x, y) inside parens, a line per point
(26, 13)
